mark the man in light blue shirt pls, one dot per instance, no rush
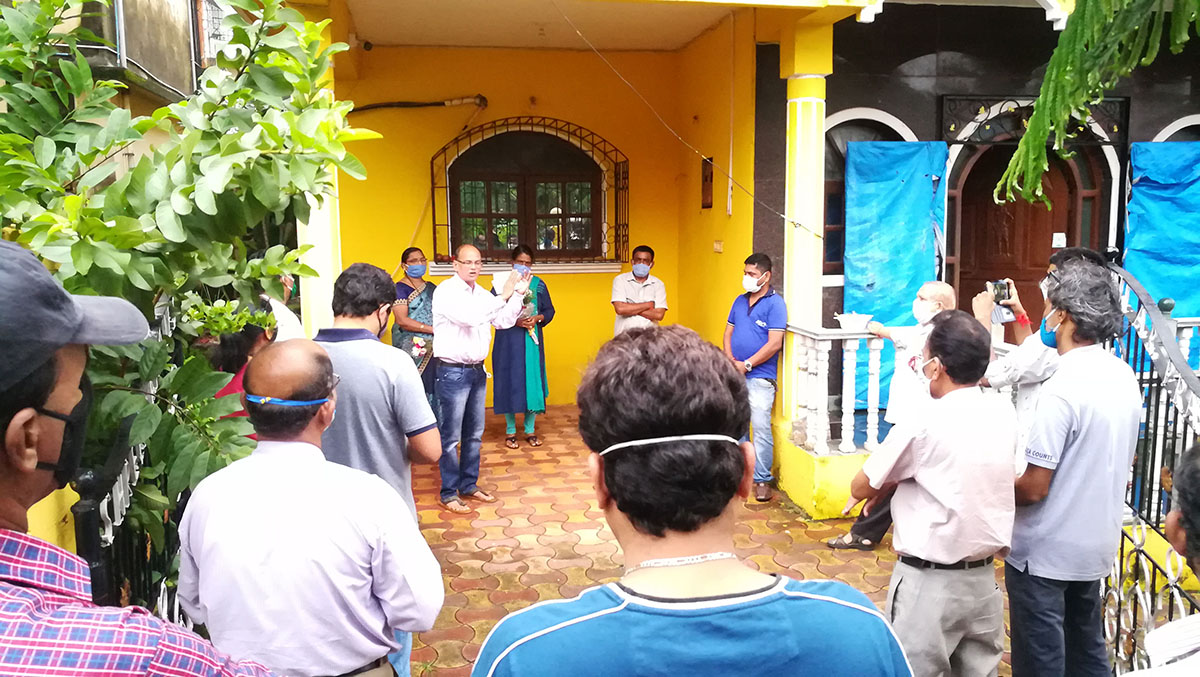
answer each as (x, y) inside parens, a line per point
(753, 339)
(1071, 496)
(670, 474)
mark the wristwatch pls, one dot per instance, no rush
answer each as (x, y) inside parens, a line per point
(748, 365)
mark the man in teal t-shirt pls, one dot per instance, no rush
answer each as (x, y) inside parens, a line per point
(686, 605)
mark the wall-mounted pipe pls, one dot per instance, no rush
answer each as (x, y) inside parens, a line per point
(478, 100)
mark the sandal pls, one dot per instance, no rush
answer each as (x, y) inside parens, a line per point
(534, 441)
(850, 541)
(455, 506)
(479, 495)
(511, 442)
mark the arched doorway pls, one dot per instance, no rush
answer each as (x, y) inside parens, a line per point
(1015, 239)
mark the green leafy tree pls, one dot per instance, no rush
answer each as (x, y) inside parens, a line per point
(1104, 40)
(255, 144)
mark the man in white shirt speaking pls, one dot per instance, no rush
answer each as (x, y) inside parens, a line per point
(463, 316)
(304, 565)
(952, 465)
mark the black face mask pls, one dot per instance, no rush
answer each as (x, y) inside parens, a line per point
(74, 436)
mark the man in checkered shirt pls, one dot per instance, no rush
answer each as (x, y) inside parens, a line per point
(48, 624)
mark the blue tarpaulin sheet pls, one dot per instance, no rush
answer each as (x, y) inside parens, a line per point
(1162, 229)
(895, 211)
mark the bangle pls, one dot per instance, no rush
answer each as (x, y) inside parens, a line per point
(1023, 320)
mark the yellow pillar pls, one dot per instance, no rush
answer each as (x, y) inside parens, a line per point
(806, 57)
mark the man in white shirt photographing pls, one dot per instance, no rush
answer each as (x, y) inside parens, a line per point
(463, 316)
(305, 565)
(952, 465)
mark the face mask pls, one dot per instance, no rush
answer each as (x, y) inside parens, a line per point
(663, 440)
(74, 436)
(521, 270)
(383, 322)
(752, 284)
(641, 270)
(923, 311)
(1049, 336)
(415, 270)
(926, 382)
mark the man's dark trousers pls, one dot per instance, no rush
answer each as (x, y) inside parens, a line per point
(1056, 626)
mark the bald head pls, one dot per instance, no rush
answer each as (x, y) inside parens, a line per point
(939, 292)
(297, 370)
(468, 263)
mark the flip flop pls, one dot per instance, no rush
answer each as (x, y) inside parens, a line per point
(850, 541)
(511, 442)
(534, 441)
(455, 506)
(479, 495)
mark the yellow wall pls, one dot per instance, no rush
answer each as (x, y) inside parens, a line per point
(718, 61)
(384, 214)
(690, 88)
(51, 520)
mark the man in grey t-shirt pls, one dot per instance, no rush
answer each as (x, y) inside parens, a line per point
(1071, 497)
(383, 420)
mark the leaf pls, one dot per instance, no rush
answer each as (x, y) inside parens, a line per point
(81, 256)
(107, 256)
(168, 222)
(357, 134)
(271, 81)
(154, 359)
(180, 471)
(148, 418)
(199, 468)
(204, 198)
(16, 22)
(43, 151)
(220, 407)
(265, 186)
(151, 496)
(96, 175)
(352, 166)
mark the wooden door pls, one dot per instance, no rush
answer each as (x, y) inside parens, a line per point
(1013, 239)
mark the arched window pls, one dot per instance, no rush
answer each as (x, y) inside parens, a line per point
(527, 188)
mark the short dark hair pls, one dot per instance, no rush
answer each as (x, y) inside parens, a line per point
(642, 248)
(961, 344)
(522, 249)
(31, 391)
(656, 382)
(410, 250)
(281, 422)
(760, 261)
(1187, 497)
(361, 289)
(1061, 256)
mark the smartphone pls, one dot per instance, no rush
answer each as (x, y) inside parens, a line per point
(999, 292)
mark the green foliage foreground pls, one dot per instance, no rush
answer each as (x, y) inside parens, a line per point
(1104, 40)
(256, 143)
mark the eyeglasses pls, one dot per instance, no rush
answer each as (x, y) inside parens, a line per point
(470, 264)
(336, 380)
(1044, 285)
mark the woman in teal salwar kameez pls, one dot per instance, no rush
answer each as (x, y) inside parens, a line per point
(519, 357)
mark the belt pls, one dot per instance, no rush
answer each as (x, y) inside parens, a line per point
(377, 663)
(926, 564)
(462, 365)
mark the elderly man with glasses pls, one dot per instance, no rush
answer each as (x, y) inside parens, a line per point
(304, 565)
(463, 316)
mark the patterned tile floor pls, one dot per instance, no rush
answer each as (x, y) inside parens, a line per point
(546, 539)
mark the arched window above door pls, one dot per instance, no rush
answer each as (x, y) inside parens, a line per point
(544, 183)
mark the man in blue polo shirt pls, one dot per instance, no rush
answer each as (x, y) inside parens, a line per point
(753, 339)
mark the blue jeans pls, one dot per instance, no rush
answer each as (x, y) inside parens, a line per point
(1056, 626)
(762, 402)
(461, 393)
(401, 659)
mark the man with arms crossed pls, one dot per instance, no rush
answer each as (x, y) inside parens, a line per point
(639, 298)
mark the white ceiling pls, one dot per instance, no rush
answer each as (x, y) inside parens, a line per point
(532, 23)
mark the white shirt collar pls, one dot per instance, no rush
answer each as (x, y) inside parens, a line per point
(289, 448)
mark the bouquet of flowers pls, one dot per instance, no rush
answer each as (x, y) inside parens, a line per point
(530, 310)
(419, 347)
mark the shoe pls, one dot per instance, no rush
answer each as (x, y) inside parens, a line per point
(850, 541)
(479, 495)
(762, 492)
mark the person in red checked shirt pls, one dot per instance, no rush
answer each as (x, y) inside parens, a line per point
(48, 623)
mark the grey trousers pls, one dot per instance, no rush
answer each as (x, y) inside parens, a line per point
(949, 622)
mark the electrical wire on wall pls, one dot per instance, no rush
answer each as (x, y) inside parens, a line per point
(676, 134)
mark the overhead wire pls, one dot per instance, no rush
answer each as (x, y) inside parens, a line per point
(676, 134)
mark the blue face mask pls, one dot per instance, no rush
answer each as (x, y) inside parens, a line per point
(522, 270)
(415, 269)
(641, 269)
(1049, 338)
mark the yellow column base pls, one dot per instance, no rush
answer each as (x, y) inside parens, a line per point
(820, 485)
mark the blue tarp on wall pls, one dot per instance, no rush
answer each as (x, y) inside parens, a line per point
(1162, 229)
(895, 211)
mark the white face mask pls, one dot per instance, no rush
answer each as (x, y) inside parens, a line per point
(923, 311)
(926, 382)
(752, 284)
